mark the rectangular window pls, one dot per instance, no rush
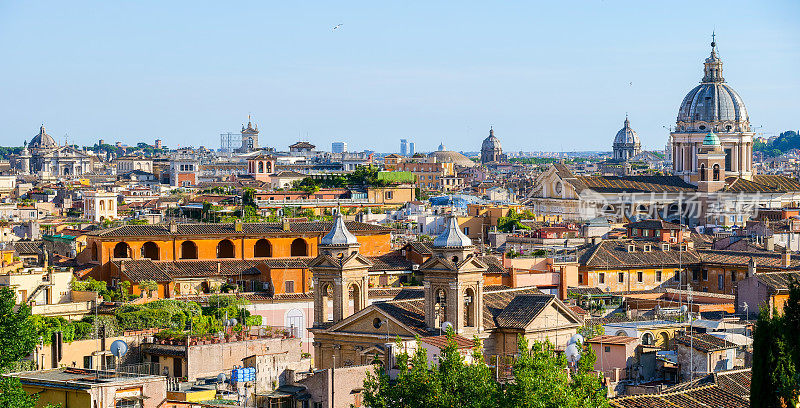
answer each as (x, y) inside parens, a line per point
(602, 278)
(677, 276)
(640, 276)
(607, 349)
(620, 277)
(727, 159)
(87, 362)
(658, 276)
(580, 279)
(720, 282)
(695, 275)
(705, 275)
(733, 276)
(466, 230)
(289, 286)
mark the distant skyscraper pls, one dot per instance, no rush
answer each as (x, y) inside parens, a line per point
(411, 149)
(339, 147)
(403, 147)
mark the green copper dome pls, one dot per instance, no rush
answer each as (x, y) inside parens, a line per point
(711, 140)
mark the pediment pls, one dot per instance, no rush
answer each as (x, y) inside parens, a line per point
(363, 323)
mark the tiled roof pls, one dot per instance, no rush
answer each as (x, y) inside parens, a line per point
(441, 341)
(28, 247)
(614, 254)
(779, 281)
(763, 259)
(521, 310)
(736, 382)
(423, 248)
(763, 183)
(632, 184)
(710, 396)
(410, 312)
(495, 265)
(654, 224)
(704, 342)
(142, 269)
(312, 227)
(606, 339)
(585, 290)
(392, 261)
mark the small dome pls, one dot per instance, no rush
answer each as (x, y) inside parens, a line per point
(711, 140)
(452, 237)
(339, 234)
(43, 140)
(441, 147)
(626, 135)
(491, 142)
(447, 156)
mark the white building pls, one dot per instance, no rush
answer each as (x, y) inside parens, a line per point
(100, 205)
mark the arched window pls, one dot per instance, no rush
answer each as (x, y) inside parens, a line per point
(263, 249)
(355, 294)
(648, 339)
(122, 250)
(151, 250)
(102, 205)
(440, 307)
(716, 172)
(469, 308)
(295, 321)
(188, 250)
(327, 297)
(95, 252)
(703, 172)
(261, 167)
(225, 249)
(269, 167)
(299, 247)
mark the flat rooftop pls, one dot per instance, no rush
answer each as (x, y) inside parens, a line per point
(79, 376)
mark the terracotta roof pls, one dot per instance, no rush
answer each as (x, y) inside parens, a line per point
(391, 261)
(441, 341)
(411, 312)
(606, 339)
(314, 227)
(165, 271)
(495, 265)
(763, 259)
(709, 396)
(423, 248)
(142, 269)
(779, 281)
(736, 382)
(763, 183)
(522, 309)
(28, 247)
(614, 254)
(704, 342)
(632, 184)
(654, 224)
(585, 290)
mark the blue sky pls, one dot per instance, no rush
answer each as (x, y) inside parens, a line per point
(557, 75)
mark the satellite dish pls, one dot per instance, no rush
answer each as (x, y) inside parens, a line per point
(573, 353)
(221, 377)
(575, 339)
(447, 326)
(119, 348)
(233, 322)
(684, 309)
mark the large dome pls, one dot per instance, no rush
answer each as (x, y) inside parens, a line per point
(448, 156)
(626, 135)
(713, 105)
(491, 142)
(43, 140)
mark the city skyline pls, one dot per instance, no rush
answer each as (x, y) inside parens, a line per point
(430, 74)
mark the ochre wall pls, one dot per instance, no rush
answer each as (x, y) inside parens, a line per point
(170, 248)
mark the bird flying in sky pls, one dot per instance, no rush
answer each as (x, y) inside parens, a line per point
(336, 27)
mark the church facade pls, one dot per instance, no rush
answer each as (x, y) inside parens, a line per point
(45, 158)
(350, 331)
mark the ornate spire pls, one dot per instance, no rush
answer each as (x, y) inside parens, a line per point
(713, 64)
(491, 130)
(452, 237)
(339, 235)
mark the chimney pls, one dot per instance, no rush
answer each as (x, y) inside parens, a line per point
(751, 267)
(122, 266)
(769, 245)
(173, 228)
(286, 226)
(786, 258)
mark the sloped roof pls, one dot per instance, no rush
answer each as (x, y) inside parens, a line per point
(614, 253)
(632, 184)
(763, 183)
(704, 342)
(315, 227)
(705, 396)
(521, 310)
(779, 281)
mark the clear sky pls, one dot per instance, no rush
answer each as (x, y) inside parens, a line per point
(556, 75)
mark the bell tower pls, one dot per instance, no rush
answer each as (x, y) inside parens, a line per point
(340, 276)
(711, 165)
(453, 282)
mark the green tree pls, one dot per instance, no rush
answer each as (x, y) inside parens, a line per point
(13, 396)
(776, 355)
(17, 334)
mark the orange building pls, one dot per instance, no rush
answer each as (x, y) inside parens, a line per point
(214, 254)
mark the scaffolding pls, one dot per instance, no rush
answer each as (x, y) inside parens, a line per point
(229, 142)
